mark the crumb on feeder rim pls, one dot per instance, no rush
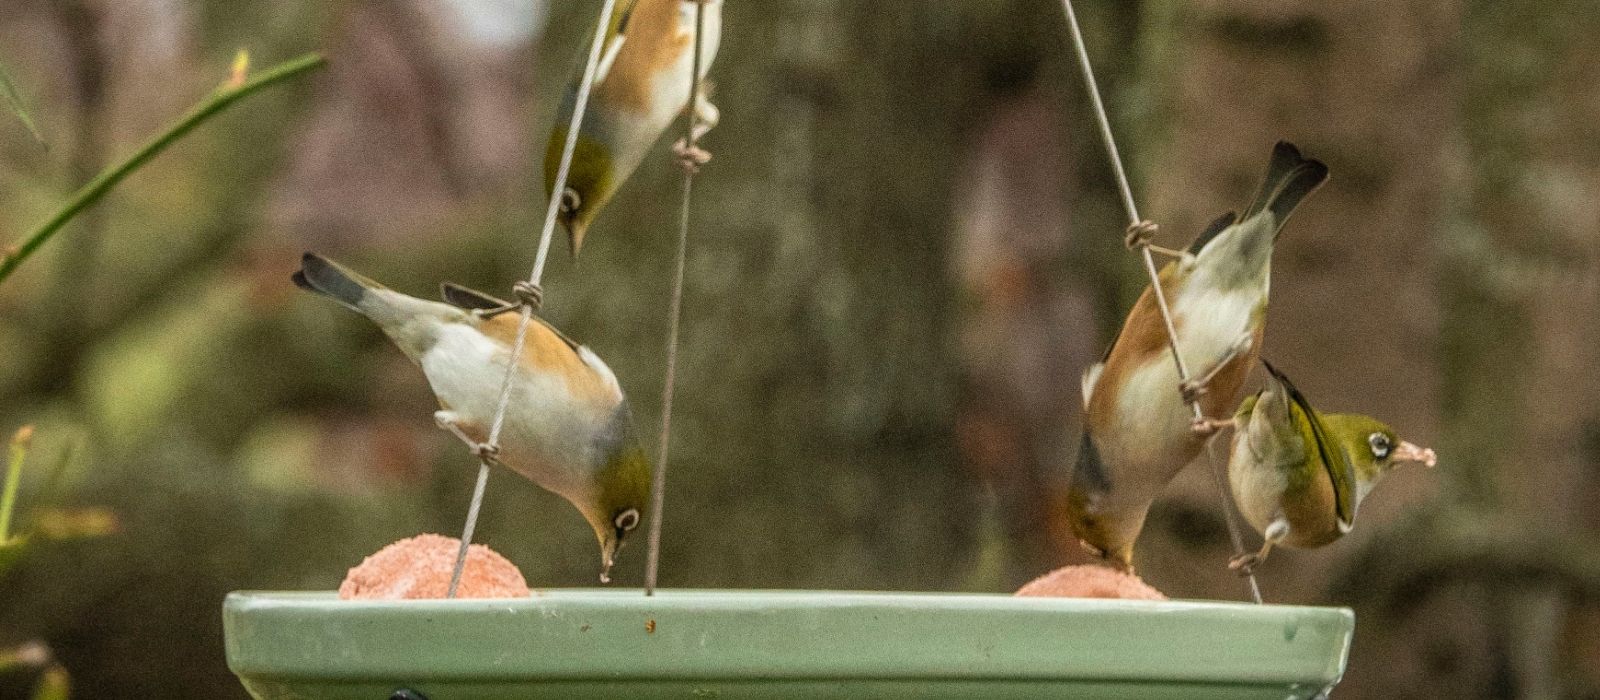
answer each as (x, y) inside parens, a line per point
(1090, 581)
(420, 568)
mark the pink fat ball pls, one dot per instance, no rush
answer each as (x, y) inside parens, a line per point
(420, 568)
(1089, 581)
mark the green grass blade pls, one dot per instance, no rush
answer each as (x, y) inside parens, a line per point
(8, 91)
(221, 99)
(16, 454)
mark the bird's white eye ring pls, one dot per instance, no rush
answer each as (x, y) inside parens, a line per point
(1381, 445)
(570, 200)
(627, 520)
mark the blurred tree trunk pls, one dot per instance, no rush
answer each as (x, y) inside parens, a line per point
(1041, 271)
(1522, 288)
(819, 319)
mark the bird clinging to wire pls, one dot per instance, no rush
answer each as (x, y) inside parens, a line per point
(1138, 430)
(1297, 474)
(641, 85)
(567, 425)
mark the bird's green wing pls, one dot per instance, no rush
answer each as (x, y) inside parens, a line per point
(1280, 447)
(1341, 472)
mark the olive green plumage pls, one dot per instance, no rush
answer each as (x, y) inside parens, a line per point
(1299, 475)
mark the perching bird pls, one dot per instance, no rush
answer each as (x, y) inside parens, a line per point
(1138, 432)
(641, 85)
(567, 426)
(1299, 475)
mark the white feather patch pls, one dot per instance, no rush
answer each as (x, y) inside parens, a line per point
(1091, 377)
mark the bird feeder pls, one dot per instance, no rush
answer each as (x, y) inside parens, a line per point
(575, 643)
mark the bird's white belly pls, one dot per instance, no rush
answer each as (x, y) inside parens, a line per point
(669, 88)
(1211, 323)
(1149, 403)
(547, 436)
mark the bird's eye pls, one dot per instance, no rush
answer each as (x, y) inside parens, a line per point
(626, 520)
(570, 200)
(1381, 445)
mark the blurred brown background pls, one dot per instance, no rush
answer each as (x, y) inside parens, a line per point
(906, 250)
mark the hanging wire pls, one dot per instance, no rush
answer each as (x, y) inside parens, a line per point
(530, 294)
(1140, 229)
(690, 162)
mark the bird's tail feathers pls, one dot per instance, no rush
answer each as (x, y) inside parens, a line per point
(335, 281)
(1290, 177)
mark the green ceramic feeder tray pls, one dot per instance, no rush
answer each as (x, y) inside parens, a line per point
(707, 644)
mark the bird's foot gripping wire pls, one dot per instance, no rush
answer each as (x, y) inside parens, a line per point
(703, 117)
(448, 420)
(1138, 238)
(1139, 234)
(1245, 564)
(1192, 389)
(528, 295)
(690, 156)
(1206, 427)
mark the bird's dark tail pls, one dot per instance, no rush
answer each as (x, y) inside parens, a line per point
(1290, 177)
(330, 279)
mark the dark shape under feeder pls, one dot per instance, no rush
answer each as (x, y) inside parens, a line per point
(684, 643)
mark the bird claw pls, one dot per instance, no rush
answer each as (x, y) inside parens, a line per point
(1206, 427)
(451, 422)
(1139, 235)
(486, 452)
(1191, 391)
(1244, 564)
(690, 156)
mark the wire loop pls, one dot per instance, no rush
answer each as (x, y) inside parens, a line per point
(1139, 231)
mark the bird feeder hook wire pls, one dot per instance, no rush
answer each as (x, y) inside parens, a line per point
(1139, 225)
(530, 294)
(690, 158)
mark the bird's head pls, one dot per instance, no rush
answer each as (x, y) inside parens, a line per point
(1373, 447)
(590, 184)
(619, 505)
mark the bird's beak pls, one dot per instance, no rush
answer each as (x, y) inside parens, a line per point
(608, 557)
(576, 228)
(1408, 452)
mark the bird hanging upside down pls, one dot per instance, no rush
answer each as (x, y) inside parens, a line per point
(1138, 430)
(1299, 475)
(567, 426)
(640, 87)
